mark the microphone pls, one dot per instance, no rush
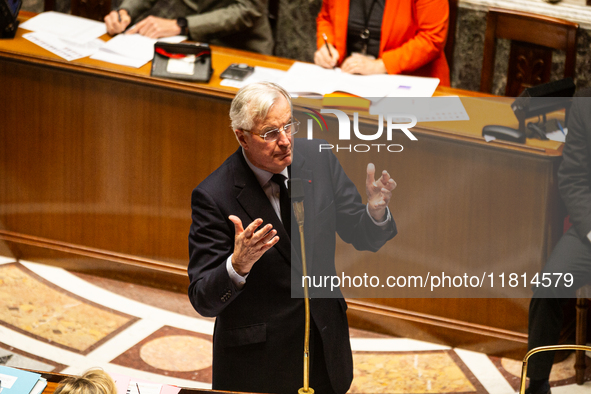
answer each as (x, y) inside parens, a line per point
(296, 193)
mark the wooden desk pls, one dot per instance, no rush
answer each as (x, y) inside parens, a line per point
(105, 157)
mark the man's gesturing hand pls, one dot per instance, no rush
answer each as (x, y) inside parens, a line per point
(378, 192)
(249, 245)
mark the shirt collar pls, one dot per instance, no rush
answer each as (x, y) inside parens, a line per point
(263, 176)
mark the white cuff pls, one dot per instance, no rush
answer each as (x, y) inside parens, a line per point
(382, 223)
(238, 280)
(589, 236)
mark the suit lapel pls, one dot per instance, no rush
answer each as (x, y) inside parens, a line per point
(254, 201)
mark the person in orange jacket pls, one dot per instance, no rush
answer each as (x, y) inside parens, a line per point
(384, 36)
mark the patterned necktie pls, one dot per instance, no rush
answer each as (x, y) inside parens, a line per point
(283, 202)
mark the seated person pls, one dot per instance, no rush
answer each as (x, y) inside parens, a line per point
(241, 24)
(384, 36)
(572, 254)
(93, 381)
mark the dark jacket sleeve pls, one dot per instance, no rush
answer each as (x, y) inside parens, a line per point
(211, 242)
(236, 16)
(574, 174)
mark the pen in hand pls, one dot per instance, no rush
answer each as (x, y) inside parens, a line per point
(326, 43)
(119, 16)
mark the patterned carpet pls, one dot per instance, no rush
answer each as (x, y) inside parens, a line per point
(53, 320)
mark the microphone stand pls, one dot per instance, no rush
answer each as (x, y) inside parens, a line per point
(296, 189)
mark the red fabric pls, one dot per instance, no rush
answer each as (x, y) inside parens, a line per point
(413, 35)
(566, 224)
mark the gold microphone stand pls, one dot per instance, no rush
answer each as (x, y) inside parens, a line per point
(298, 210)
(545, 349)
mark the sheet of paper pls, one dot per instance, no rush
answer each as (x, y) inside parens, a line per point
(131, 50)
(304, 78)
(309, 78)
(260, 74)
(558, 135)
(125, 384)
(74, 28)
(137, 387)
(7, 380)
(121, 382)
(64, 48)
(39, 387)
(426, 109)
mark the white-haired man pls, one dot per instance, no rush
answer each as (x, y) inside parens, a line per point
(240, 252)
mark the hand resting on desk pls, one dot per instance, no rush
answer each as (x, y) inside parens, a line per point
(151, 27)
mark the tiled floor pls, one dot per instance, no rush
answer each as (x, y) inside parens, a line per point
(53, 320)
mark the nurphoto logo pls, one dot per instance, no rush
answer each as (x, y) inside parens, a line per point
(402, 122)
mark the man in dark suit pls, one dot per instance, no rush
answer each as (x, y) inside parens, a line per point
(572, 254)
(240, 253)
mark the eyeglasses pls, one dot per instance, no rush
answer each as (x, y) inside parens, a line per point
(273, 135)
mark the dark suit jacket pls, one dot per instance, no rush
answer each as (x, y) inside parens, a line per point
(259, 330)
(574, 174)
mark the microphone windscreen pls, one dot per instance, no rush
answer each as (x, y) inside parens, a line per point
(296, 189)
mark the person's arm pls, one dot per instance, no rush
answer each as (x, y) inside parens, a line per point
(354, 223)
(324, 57)
(216, 240)
(211, 242)
(237, 16)
(574, 174)
(136, 7)
(427, 44)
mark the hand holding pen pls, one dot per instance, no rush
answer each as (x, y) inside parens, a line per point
(326, 56)
(117, 21)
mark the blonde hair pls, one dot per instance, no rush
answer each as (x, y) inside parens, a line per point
(93, 381)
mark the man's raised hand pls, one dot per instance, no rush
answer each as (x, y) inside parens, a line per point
(378, 192)
(249, 244)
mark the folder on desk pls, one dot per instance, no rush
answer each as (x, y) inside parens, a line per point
(346, 101)
(17, 381)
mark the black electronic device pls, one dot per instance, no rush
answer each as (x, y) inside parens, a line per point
(8, 13)
(536, 131)
(541, 99)
(237, 71)
(504, 133)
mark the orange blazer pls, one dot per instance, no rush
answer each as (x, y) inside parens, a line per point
(413, 35)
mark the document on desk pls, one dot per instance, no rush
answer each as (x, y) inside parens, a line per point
(133, 50)
(426, 109)
(64, 48)
(310, 79)
(128, 385)
(74, 28)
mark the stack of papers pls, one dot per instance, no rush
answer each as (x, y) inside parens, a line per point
(68, 36)
(310, 79)
(131, 50)
(72, 37)
(305, 79)
(16, 381)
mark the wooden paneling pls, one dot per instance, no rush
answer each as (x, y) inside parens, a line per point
(104, 163)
